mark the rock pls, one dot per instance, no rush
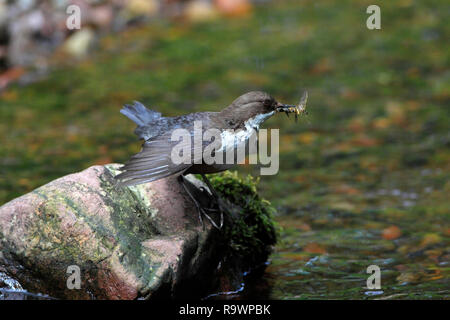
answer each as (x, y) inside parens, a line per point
(143, 7)
(9, 283)
(101, 16)
(32, 37)
(25, 5)
(3, 14)
(10, 75)
(200, 10)
(132, 242)
(35, 21)
(234, 7)
(79, 43)
(21, 49)
(391, 233)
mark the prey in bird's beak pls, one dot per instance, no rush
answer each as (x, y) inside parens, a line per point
(300, 109)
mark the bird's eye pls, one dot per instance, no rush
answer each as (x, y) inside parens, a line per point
(267, 103)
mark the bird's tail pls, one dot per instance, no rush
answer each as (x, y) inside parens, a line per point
(140, 114)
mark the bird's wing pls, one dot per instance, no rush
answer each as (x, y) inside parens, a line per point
(155, 161)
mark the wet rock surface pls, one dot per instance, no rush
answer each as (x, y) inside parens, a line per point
(136, 242)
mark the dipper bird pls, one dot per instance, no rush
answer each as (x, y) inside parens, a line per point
(238, 121)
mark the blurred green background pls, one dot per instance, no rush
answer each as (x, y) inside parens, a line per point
(363, 180)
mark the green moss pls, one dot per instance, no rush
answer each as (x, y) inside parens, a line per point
(253, 229)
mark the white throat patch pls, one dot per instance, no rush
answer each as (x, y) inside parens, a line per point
(231, 139)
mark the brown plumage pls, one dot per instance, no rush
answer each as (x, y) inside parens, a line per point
(154, 160)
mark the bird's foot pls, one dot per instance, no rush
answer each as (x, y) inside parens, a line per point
(212, 210)
(202, 209)
(219, 202)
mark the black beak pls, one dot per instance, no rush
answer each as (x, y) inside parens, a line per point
(287, 108)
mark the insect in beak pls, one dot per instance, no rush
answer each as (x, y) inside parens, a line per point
(300, 109)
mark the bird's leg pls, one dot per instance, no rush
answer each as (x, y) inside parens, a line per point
(197, 205)
(201, 210)
(216, 196)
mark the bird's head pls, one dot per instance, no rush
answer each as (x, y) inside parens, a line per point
(256, 106)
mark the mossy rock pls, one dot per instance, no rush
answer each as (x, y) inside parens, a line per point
(252, 230)
(133, 242)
